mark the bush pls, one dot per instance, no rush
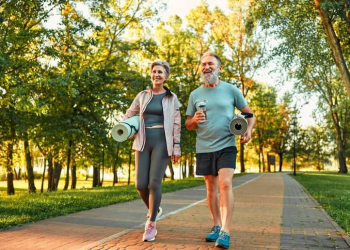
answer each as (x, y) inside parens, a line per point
(38, 175)
(3, 176)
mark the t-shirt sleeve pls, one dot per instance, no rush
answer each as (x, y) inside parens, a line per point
(190, 107)
(239, 99)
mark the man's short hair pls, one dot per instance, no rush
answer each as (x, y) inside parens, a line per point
(210, 53)
(164, 64)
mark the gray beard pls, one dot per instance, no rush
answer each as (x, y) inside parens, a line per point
(210, 79)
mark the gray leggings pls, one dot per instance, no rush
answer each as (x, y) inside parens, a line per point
(150, 166)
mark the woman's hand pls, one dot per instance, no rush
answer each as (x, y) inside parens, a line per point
(132, 137)
(175, 158)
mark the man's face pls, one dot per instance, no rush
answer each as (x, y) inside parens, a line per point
(210, 70)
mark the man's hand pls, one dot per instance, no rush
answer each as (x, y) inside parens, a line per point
(246, 136)
(192, 121)
(175, 158)
(199, 117)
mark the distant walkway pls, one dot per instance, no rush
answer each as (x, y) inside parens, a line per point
(272, 211)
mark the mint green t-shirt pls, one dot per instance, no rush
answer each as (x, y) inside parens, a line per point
(214, 134)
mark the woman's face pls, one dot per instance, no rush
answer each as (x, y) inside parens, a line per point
(158, 75)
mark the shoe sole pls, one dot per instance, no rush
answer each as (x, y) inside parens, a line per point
(208, 240)
(221, 246)
(149, 240)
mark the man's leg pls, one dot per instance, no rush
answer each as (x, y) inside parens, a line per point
(211, 183)
(226, 197)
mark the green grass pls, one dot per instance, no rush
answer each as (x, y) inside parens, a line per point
(332, 191)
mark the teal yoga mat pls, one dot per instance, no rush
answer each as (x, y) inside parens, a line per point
(126, 129)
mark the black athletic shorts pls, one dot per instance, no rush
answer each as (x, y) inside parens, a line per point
(211, 163)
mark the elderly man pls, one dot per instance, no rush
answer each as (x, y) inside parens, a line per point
(215, 145)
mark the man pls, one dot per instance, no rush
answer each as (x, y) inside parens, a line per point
(215, 145)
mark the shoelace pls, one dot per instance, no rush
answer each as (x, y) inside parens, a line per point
(215, 230)
(149, 228)
(222, 236)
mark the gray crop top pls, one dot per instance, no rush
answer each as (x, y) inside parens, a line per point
(153, 114)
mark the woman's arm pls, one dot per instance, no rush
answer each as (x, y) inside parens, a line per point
(177, 131)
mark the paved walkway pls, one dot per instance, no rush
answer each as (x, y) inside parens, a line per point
(272, 211)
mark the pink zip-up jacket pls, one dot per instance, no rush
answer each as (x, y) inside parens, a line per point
(172, 120)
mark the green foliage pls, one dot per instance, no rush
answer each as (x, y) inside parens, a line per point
(332, 191)
(23, 207)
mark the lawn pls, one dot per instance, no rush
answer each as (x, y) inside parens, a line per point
(332, 191)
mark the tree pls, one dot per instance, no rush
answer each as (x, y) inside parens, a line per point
(266, 111)
(329, 11)
(283, 123)
(297, 24)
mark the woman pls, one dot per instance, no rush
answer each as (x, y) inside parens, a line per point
(157, 139)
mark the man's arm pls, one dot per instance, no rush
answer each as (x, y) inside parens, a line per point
(251, 121)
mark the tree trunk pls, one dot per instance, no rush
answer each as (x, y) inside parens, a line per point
(340, 141)
(49, 173)
(95, 177)
(115, 178)
(103, 167)
(241, 158)
(191, 167)
(342, 161)
(129, 170)
(335, 45)
(43, 179)
(69, 153)
(10, 187)
(171, 169)
(56, 175)
(259, 162)
(263, 159)
(19, 175)
(28, 157)
(87, 174)
(184, 166)
(115, 174)
(74, 175)
(9, 164)
(15, 172)
(281, 160)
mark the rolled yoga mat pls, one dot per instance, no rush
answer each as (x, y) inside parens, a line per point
(126, 129)
(239, 124)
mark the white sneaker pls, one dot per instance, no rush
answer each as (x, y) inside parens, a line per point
(150, 232)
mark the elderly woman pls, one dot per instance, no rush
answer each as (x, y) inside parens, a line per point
(157, 139)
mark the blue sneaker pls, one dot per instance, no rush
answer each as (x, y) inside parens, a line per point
(223, 241)
(214, 234)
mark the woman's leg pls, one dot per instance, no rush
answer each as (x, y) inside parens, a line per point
(159, 162)
(142, 166)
